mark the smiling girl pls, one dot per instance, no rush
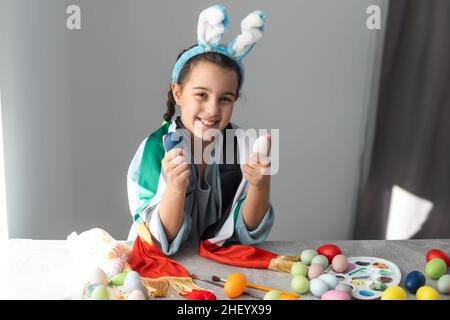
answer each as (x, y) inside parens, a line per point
(228, 201)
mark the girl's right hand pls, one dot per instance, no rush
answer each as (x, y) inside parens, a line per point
(176, 169)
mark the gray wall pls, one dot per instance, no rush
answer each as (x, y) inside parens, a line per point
(76, 105)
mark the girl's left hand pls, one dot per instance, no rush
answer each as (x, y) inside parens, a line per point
(256, 170)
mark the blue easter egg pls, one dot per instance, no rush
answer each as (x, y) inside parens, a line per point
(171, 140)
(413, 281)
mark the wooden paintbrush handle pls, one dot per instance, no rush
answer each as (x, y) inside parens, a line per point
(263, 288)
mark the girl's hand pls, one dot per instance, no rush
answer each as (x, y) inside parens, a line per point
(176, 169)
(256, 169)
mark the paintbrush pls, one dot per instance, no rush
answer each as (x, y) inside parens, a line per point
(219, 284)
(256, 286)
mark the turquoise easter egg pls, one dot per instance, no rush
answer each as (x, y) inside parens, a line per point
(443, 284)
(307, 255)
(320, 260)
(318, 287)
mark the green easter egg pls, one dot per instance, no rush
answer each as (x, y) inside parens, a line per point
(100, 293)
(435, 268)
(307, 255)
(320, 260)
(300, 284)
(272, 295)
(118, 279)
(299, 269)
(443, 284)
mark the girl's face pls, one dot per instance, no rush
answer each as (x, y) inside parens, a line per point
(206, 99)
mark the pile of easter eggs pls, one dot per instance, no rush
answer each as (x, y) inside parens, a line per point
(435, 269)
(309, 273)
(131, 282)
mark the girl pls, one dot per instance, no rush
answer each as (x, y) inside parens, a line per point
(178, 199)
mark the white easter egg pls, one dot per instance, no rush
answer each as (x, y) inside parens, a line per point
(136, 295)
(261, 145)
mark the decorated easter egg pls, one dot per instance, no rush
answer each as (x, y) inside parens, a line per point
(318, 287)
(339, 263)
(114, 266)
(345, 288)
(136, 295)
(235, 285)
(331, 280)
(435, 268)
(100, 293)
(118, 279)
(300, 284)
(335, 295)
(272, 295)
(299, 268)
(321, 260)
(315, 270)
(443, 284)
(117, 250)
(329, 251)
(307, 255)
(132, 281)
(436, 253)
(414, 280)
(427, 293)
(98, 276)
(394, 293)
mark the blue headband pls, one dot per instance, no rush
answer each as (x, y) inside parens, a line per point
(212, 24)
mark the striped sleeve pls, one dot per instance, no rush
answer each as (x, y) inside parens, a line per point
(244, 236)
(134, 200)
(145, 183)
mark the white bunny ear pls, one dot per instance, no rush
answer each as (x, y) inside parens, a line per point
(212, 24)
(252, 29)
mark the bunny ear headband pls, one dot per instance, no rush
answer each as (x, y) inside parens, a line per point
(212, 24)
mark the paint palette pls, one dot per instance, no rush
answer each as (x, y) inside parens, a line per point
(369, 276)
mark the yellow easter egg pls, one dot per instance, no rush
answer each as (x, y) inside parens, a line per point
(427, 293)
(394, 293)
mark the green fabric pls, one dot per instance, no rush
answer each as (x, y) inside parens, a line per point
(236, 210)
(150, 168)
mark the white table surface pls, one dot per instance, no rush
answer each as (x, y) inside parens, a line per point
(42, 269)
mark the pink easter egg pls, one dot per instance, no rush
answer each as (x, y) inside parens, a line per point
(339, 263)
(335, 295)
(315, 270)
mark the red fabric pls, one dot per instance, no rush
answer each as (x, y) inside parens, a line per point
(150, 262)
(147, 260)
(237, 255)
